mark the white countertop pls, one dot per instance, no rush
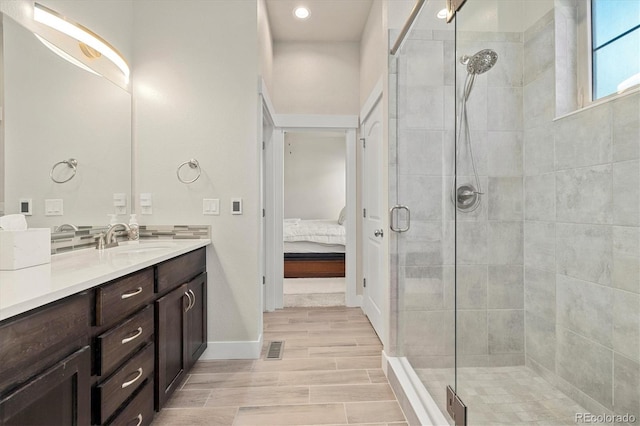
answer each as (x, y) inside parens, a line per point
(76, 271)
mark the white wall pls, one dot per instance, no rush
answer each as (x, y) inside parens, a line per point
(373, 55)
(195, 91)
(265, 43)
(314, 175)
(316, 78)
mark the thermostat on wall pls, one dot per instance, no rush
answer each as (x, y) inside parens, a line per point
(26, 206)
(236, 206)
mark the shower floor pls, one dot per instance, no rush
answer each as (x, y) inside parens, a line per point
(503, 395)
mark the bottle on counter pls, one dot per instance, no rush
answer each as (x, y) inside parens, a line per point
(134, 233)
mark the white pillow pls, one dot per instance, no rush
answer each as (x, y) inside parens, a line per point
(342, 216)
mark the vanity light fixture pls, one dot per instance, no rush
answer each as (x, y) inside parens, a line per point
(91, 44)
(64, 55)
(301, 12)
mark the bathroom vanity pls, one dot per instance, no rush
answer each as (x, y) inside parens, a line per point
(101, 337)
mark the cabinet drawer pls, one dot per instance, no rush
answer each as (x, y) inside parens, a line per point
(115, 345)
(37, 340)
(139, 411)
(119, 386)
(181, 269)
(122, 297)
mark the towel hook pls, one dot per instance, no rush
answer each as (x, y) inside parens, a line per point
(193, 164)
(72, 163)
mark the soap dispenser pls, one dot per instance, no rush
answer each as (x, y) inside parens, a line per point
(134, 233)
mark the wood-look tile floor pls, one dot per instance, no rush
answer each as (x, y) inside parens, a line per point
(330, 374)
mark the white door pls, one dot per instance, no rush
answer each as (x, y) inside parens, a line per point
(374, 233)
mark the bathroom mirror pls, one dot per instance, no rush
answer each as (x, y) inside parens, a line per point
(54, 111)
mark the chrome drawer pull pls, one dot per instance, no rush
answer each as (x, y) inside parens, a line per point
(130, 382)
(133, 293)
(134, 337)
(190, 301)
(194, 299)
(139, 417)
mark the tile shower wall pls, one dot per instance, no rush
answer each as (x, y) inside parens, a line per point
(490, 240)
(581, 234)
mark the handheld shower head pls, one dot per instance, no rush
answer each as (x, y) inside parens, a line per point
(481, 62)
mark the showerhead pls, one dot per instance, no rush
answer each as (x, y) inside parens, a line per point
(481, 62)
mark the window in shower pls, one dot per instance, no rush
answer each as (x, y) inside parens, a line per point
(615, 46)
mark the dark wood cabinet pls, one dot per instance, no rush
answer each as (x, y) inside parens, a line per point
(197, 319)
(58, 396)
(171, 329)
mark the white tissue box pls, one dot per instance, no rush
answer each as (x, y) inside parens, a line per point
(22, 249)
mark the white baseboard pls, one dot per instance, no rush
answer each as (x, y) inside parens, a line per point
(354, 301)
(249, 349)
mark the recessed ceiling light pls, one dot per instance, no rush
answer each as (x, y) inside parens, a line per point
(301, 12)
(442, 14)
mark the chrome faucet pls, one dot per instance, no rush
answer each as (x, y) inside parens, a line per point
(110, 236)
(65, 226)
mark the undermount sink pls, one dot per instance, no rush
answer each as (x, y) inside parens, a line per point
(139, 248)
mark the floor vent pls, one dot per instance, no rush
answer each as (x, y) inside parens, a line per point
(274, 351)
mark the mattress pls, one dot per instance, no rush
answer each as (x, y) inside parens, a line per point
(327, 232)
(311, 247)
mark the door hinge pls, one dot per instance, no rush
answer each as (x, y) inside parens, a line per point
(263, 213)
(364, 212)
(263, 145)
(364, 282)
(364, 142)
(264, 280)
(456, 408)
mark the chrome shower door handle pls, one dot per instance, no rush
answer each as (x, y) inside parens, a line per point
(395, 209)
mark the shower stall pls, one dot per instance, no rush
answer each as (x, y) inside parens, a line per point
(517, 284)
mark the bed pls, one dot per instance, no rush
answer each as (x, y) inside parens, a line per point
(313, 248)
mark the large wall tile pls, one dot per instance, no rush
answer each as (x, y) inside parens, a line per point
(413, 104)
(626, 128)
(471, 286)
(541, 340)
(626, 193)
(480, 147)
(540, 100)
(504, 153)
(424, 194)
(424, 288)
(585, 252)
(626, 258)
(584, 195)
(540, 245)
(540, 197)
(538, 150)
(585, 365)
(505, 287)
(431, 332)
(426, 244)
(419, 152)
(423, 63)
(471, 244)
(471, 332)
(507, 72)
(505, 243)
(626, 324)
(506, 331)
(584, 139)
(505, 198)
(539, 52)
(626, 376)
(585, 308)
(505, 109)
(540, 294)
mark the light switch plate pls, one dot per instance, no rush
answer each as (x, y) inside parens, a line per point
(211, 206)
(236, 206)
(146, 203)
(53, 207)
(26, 206)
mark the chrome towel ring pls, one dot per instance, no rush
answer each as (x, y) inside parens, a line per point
(193, 164)
(72, 163)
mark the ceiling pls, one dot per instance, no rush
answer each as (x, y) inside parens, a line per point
(330, 20)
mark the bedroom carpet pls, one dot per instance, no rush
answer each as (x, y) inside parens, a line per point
(314, 292)
(330, 374)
